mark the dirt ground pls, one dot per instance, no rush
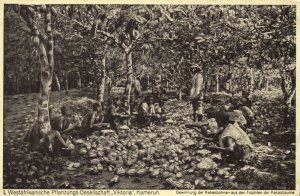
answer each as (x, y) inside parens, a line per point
(273, 169)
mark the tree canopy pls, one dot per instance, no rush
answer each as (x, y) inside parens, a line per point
(224, 39)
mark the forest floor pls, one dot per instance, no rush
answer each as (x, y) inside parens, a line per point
(273, 167)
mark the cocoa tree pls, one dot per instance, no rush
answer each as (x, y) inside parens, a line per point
(42, 41)
(124, 26)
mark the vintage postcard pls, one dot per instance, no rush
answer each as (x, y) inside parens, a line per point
(149, 98)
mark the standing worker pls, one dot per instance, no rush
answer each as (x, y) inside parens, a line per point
(136, 93)
(196, 95)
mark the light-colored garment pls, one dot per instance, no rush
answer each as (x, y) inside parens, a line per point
(197, 93)
(145, 108)
(237, 134)
(137, 88)
(197, 86)
(247, 111)
(152, 109)
(241, 116)
(158, 109)
(213, 125)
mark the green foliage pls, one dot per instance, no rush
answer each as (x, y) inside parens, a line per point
(223, 39)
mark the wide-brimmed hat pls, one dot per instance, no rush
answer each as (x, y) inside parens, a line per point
(234, 116)
(197, 66)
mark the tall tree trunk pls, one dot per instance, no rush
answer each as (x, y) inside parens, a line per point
(44, 49)
(260, 82)
(67, 83)
(95, 80)
(129, 76)
(217, 81)
(109, 86)
(283, 87)
(79, 82)
(57, 82)
(251, 86)
(47, 67)
(17, 84)
(290, 98)
(29, 89)
(230, 85)
(267, 83)
(180, 94)
(148, 82)
(288, 95)
(102, 81)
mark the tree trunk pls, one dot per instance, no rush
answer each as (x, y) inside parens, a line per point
(180, 94)
(17, 84)
(57, 82)
(94, 86)
(290, 98)
(129, 76)
(102, 81)
(47, 66)
(29, 89)
(267, 84)
(251, 86)
(292, 93)
(217, 81)
(283, 87)
(109, 86)
(260, 82)
(44, 50)
(230, 85)
(67, 83)
(148, 82)
(79, 83)
(45, 87)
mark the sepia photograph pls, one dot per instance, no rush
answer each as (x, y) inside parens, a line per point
(149, 97)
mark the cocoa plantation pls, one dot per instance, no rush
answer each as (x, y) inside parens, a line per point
(149, 97)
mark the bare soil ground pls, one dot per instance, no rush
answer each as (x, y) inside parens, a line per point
(273, 168)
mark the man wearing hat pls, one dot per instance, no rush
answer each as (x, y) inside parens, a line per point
(196, 94)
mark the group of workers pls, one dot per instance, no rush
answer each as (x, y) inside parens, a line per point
(116, 114)
(225, 123)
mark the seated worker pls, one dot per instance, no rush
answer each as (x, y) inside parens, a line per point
(236, 141)
(158, 113)
(157, 109)
(148, 112)
(61, 126)
(112, 116)
(35, 137)
(124, 112)
(223, 114)
(92, 120)
(245, 100)
(62, 123)
(244, 105)
(123, 107)
(144, 112)
(159, 94)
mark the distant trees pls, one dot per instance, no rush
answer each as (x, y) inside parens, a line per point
(239, 46)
